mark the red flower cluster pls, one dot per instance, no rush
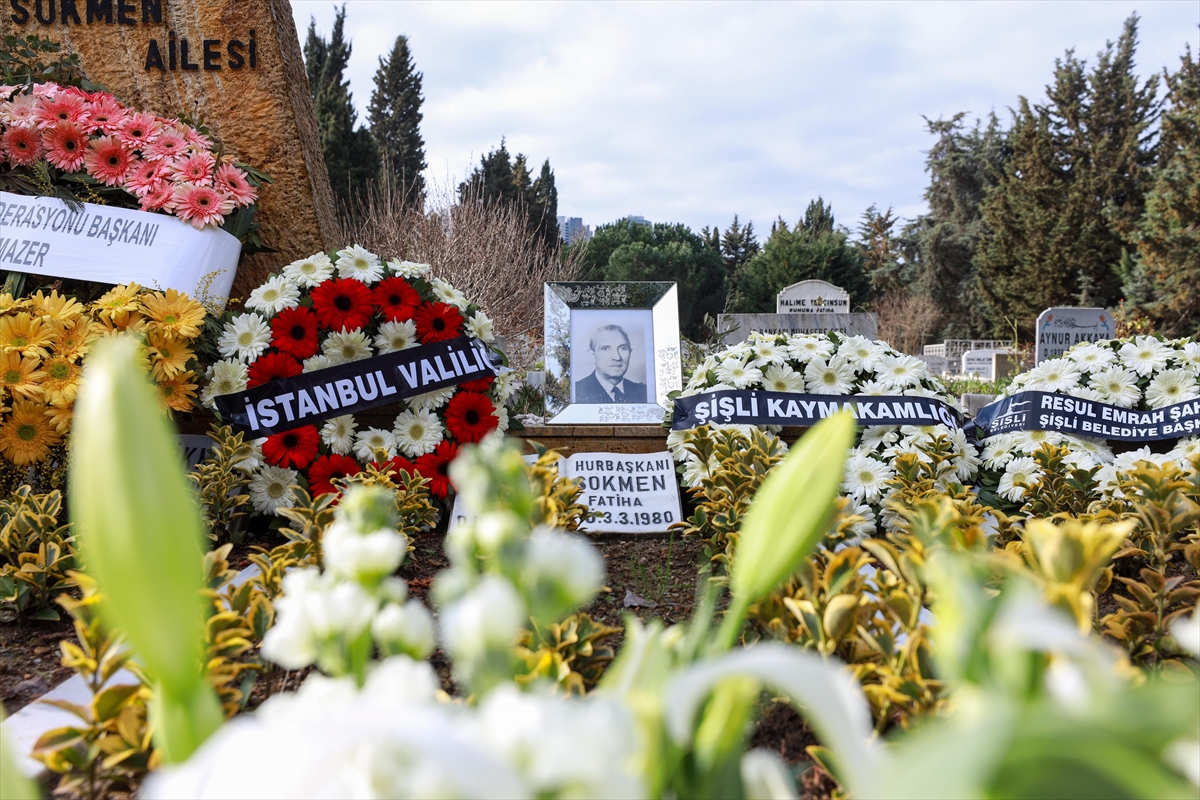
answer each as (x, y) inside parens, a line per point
(294, 331)
(295, 448)
(325, 469)
(470, 416)
(396, 300)
(343, 304)
(271, 366)
(438, 322)
(436, 467)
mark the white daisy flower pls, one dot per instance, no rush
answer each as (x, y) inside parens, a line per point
(805, 348)
(1117, 386)
(396, 336)
(999, 450)
(1030, 441)
(1171, 386)
(1145, 354)
(866, 478)
(874, 388)
(1085, 393)
(1019, 470)
(445, 292)
(695, 471)
(501, 413)
(1098, 449)
(275, 294)
(246, 337)
(1053, 375)
(1184, 451)
(1078, 459)
(505, 386)
(319, 361)
(875, 437)
(408, 269)
(834, 377)
(224, 377)
(677, 443)
(899, 371)
(1189, 356)
(431, 400)
(255, 459)
(309, 272)
(767, 352)
(342, 347)
(480, 327)
(861, 352)
(358, 263)
(738, 374)
(867, 526)
(967, 462)
(782, 378)
(372, 439)
(1091, 357)
(338, 434)
(417, 432)
(271, 489)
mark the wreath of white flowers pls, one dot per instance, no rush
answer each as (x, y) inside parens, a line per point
(834, 365)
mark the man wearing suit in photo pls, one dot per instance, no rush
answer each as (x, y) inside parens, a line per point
(610, 351)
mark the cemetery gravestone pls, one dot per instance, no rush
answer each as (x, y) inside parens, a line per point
(812, 297)
(935, 364)
(1059, 329)
(233, 65)
(979, 364)
(845, 324)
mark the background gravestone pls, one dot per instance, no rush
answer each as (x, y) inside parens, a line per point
(812, 297)
(979, 364)
(846, 324)
(235, 66)
(1059, 329)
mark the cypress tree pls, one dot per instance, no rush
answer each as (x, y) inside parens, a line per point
(880, 257)
(395, 117)
(737, 246)
(543, 208)
(501, 178)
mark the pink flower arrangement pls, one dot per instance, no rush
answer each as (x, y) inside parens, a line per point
(163, 164)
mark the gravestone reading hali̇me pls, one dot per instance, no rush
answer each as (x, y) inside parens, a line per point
(812, 297)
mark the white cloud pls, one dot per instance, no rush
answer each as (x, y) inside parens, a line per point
(695, 112)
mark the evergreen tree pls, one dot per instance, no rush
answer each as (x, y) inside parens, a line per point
(500, 178)
(395, 116)
(351, 156)
(543, 207)
(493, 180)
(737, 245)
(881, 258)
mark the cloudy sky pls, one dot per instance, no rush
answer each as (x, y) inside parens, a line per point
(694, 112)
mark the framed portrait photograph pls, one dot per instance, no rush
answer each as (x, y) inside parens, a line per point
(612, 351)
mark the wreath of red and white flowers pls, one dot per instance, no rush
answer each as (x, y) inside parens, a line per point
(94, 141)
(326, 310)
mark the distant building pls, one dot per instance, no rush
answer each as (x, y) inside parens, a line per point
(639, 220)
(572, 229)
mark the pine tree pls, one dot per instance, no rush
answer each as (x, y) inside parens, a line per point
(881, 259)
(395, 117)
(501, 178)
(543, 208)
(737, 246)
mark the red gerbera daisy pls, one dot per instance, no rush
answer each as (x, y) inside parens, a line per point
(325, 469)
(396, 464)
(295, 448)
(342, 304)
(479, 384)
(108, 160)
(294, 331)
(470, 416)
(270, 366)
(436, 467)
(396, 300)
(66, 146)
(22, 145)
(438, 322)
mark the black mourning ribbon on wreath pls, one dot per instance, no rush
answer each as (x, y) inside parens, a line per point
(755, 407)
(1050, 411)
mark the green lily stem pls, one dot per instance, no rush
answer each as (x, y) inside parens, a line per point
(731, 625)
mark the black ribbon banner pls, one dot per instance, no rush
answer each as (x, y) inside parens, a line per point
(752, 407)
(287, 403)
(1050, 411)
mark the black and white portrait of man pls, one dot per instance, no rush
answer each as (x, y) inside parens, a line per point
(609, 356)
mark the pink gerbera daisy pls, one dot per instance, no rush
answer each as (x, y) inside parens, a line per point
(201, 205)
(6, 91)
(46, 90)
(197, 139)
(66, 146)
(160, 198)
(62, 108)
(22, 145)
(234, 181)
(196, 169)
(144, 177)
(139, 129)
(169, 145)
(106, 114)
(108, 160)
(22, 110)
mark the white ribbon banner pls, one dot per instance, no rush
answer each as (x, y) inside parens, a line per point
(42, 235)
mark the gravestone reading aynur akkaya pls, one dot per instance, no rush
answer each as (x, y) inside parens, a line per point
(812, 297)
(233, 65)
(1060, 329)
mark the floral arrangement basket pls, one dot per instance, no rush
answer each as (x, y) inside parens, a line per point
(332, 309)
(831, 364)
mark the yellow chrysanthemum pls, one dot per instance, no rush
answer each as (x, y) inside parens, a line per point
(25, 334)
(8, 303)
(122, 321)
(119, 299)
(21, 376)
(62, 380)
(179, 392)
(55, 307)
(174, 313)
(72, 340)
(27, 436)
(169, 355)
(60, 416)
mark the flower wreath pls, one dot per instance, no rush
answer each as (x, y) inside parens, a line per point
(306, 319)
(834, 365)
(1140, 373)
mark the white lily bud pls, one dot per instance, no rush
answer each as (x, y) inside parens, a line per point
(358, 556)
(560, 572)
(488, 617)
(406, 629)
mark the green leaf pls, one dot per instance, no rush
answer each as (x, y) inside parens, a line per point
(110, 701)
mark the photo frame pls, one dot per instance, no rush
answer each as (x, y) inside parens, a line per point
(612, 351)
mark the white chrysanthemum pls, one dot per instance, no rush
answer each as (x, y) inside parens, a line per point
(1020, 470)
(696, 470)
(431, 400)
(862, 353)
(445, 292)
(1085, 393)
(358, 263)
(255, 459)
(338, 434)
(967, 461)
(767, 352)
(224, 377)
(999, 450)
(866, 478)
(677, 443)
(480, 326)
(1098, 449)
(417, 432)
(372, 439)
(1091, 357)
(876, 437)
(342, 347)
(1030, 441)
(1117, 387)
(834, 377)
(805, 348)
(1145, 354)
(271, 489)
(309, 272)
(505, 386)
(275, 294)
(408, 269)
(319, 361)
(501, 413)
(1053, 375)
(738, 374)
(899, 371)
(1171, 386)
(782, 378)
(246, 337)
(873, 388)
(867, 526)
(1184, 451)
(1188, 356)
(396, 336)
